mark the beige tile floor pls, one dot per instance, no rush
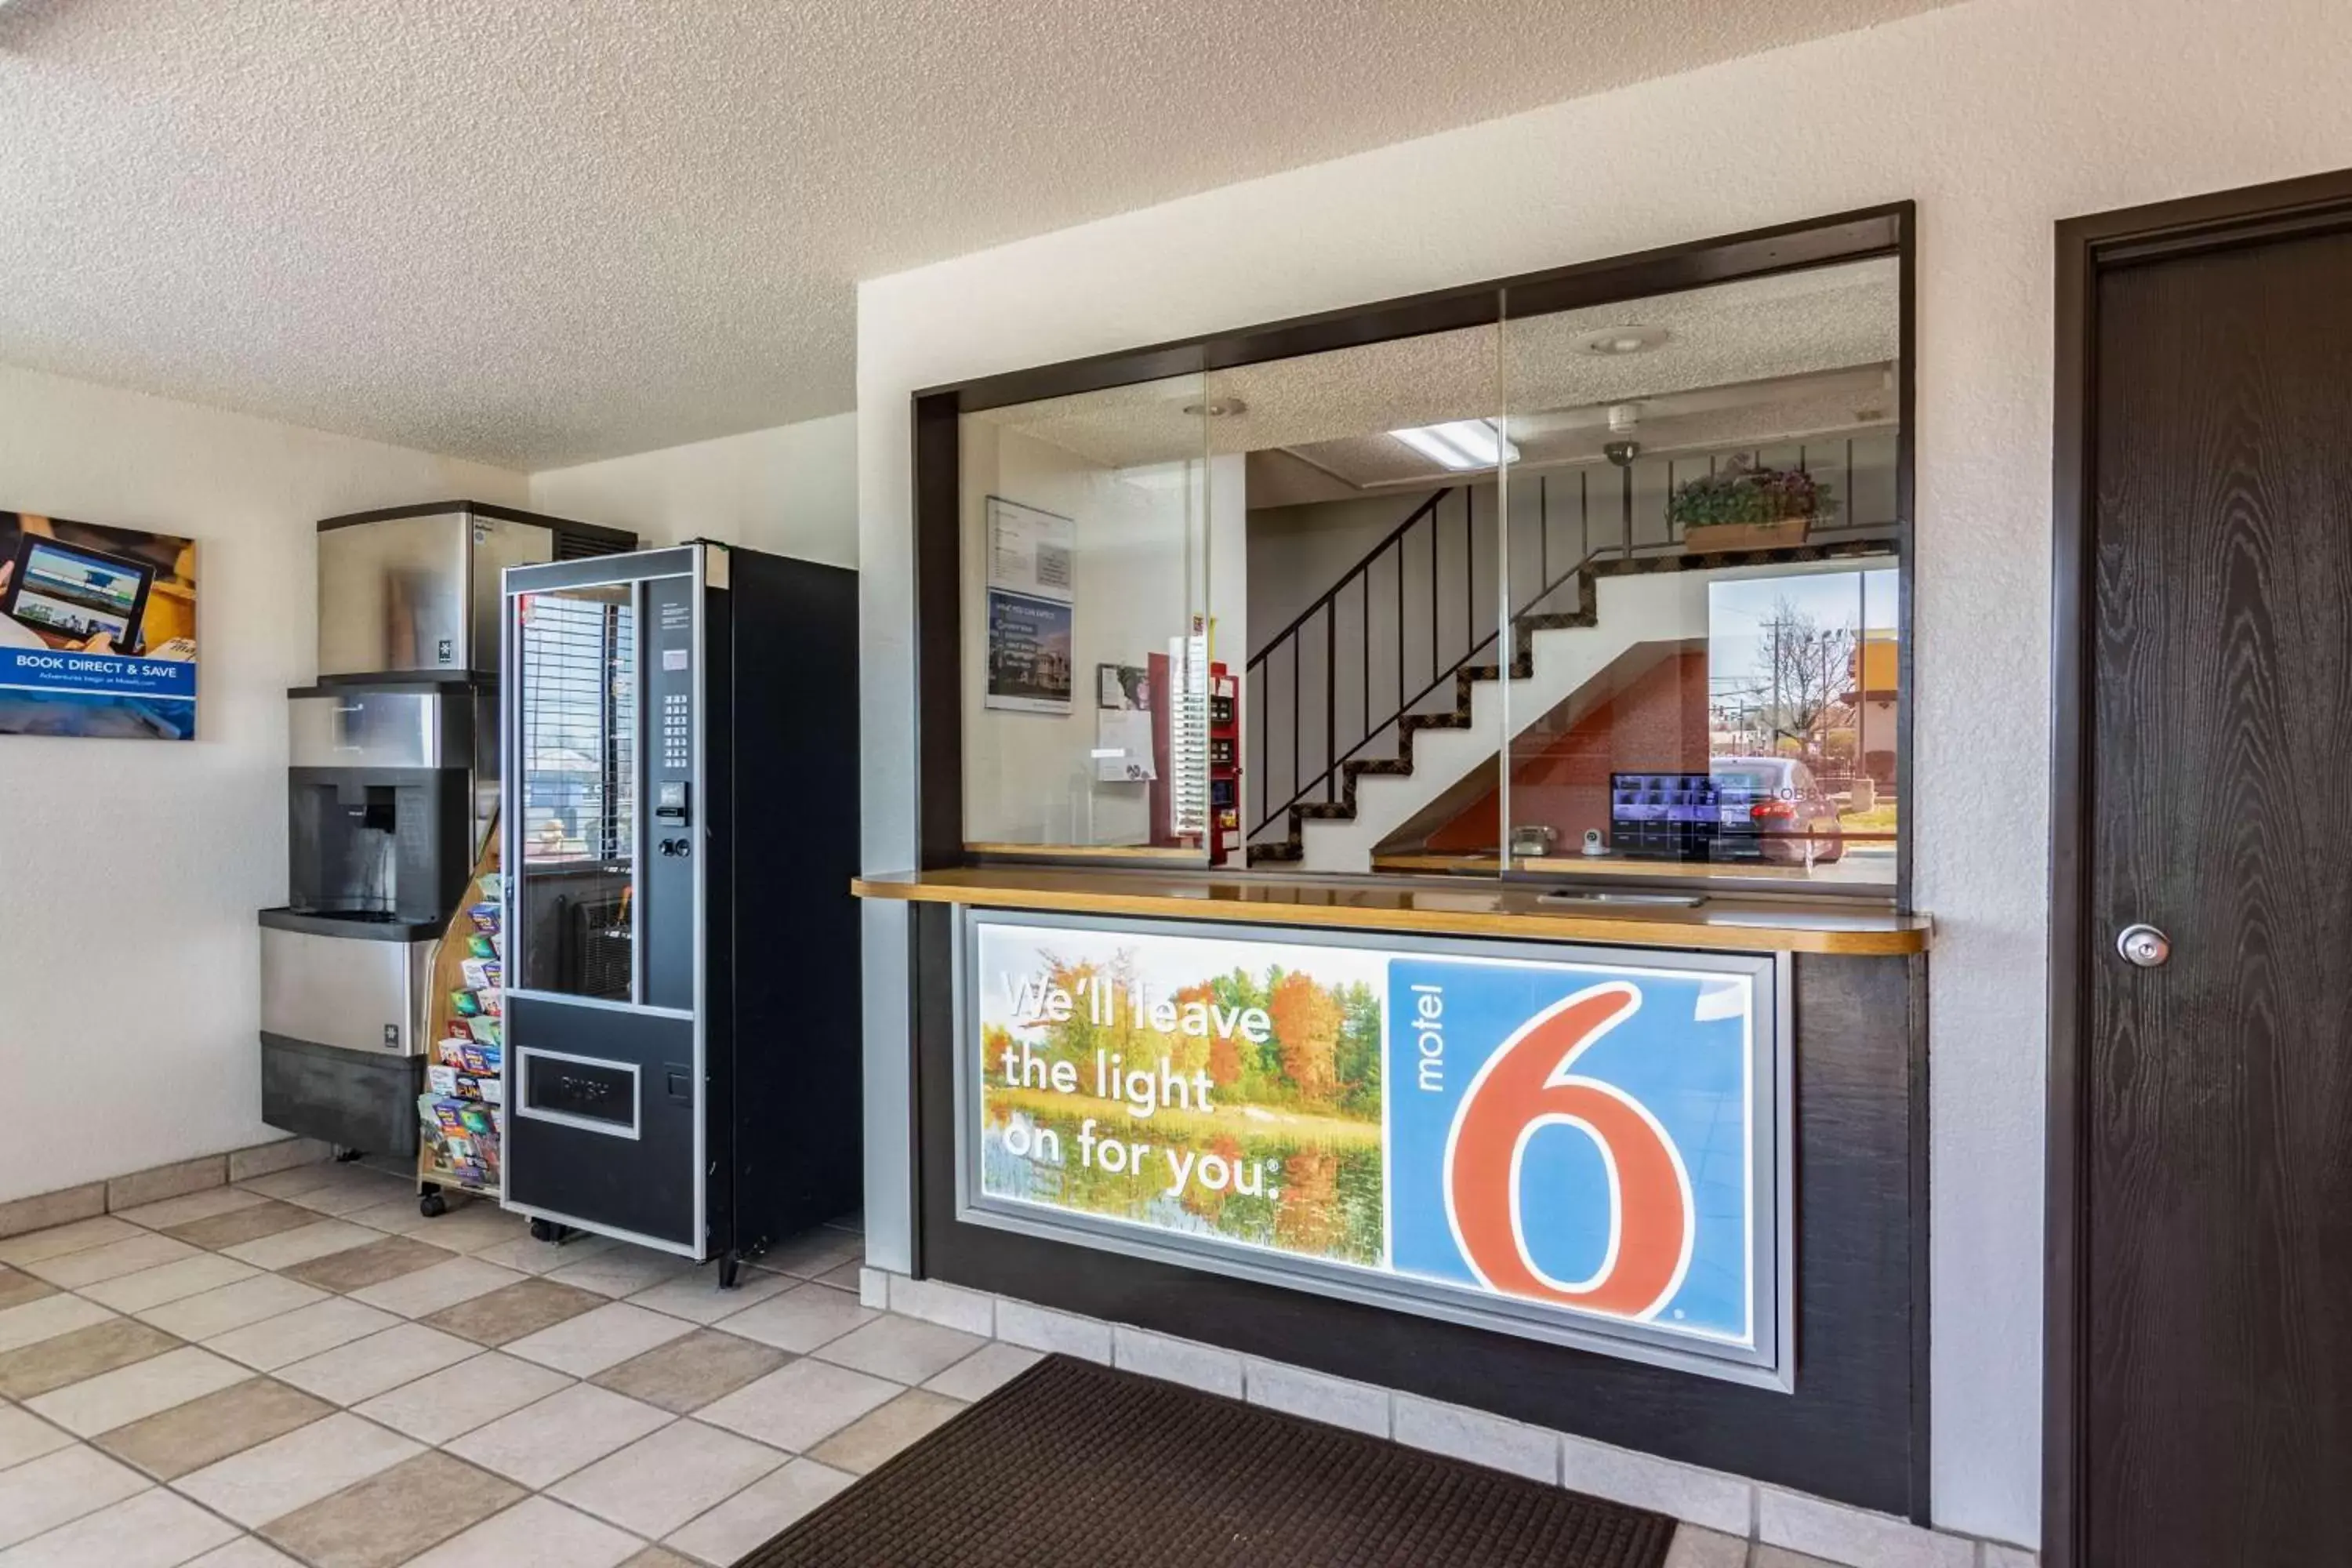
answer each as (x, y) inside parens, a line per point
(303, 1369)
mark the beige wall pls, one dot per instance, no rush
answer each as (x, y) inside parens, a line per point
(2000, 117)
(791, 490)
(130, 870)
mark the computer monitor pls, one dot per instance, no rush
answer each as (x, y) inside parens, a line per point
(1670, 815)
(73, 593)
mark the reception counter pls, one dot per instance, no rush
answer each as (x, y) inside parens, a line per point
(1645, 1169)
(1517, 911)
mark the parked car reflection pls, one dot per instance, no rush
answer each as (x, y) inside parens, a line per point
(1775, 810)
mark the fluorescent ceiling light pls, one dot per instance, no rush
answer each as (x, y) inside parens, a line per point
(1444, 452)
(1460, 443)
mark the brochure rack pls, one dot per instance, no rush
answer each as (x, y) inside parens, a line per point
(461, 1137)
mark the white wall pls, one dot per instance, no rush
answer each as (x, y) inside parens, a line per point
(2000, 117)
(791, 490)
(130, 870)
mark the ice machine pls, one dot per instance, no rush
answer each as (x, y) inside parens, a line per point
(393, 778)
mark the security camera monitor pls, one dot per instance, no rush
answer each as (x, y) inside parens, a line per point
(1663, 816)
(70, 593)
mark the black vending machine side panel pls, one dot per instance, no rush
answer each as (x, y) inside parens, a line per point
(721, 840)
(798, 1045)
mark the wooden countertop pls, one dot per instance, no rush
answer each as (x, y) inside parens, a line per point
(1852, 871)
(1722, 924)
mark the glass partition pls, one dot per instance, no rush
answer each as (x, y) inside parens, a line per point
(1702, 564)
(1608, 592)
(1373, 572)
(1088, 629)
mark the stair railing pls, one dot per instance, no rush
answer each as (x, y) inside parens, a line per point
(1423, 537)
(1423, 531)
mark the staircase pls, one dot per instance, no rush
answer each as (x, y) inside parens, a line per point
(1344, 752)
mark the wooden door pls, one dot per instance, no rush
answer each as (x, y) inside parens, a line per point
(2213, 1305)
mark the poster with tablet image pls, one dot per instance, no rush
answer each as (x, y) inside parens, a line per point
(98, 630)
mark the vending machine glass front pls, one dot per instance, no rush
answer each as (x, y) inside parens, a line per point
(578, 772)
(606, 1066)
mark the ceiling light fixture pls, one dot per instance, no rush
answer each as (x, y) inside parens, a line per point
(1615, 343)
(1460, 444)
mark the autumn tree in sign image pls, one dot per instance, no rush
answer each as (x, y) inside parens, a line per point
(1284, 1152)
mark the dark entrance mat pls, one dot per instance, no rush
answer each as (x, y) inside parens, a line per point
(1073, 1465)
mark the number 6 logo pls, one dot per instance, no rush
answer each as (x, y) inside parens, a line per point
(1529, 1085)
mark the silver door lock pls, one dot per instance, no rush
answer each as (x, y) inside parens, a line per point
(2143, 945)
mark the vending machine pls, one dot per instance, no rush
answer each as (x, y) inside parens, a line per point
(681, 1013)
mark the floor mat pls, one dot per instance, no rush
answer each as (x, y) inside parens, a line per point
(1073, 1465)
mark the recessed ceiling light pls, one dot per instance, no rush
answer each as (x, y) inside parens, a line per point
(1611, 342)
(1216, 408)
(1460, 444)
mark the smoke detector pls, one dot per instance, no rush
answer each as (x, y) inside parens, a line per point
(1624, 418)
(1615, 342)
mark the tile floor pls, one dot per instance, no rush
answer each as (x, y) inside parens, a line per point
(303, 1369)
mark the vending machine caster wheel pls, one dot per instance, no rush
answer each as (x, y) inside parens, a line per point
(730, 1271)
(546, 1230)
(432, 1205)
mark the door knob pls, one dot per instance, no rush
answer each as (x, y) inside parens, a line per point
(2143, 945)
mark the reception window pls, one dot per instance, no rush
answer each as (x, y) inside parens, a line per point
(1090, 639)
(1579, 578)
(1705, 668)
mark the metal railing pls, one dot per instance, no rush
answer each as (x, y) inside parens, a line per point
(1440, 538)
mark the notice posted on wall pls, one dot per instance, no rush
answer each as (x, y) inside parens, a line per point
(1127, 746)
(1578, 1140)
(1028, 654)
(1031, 552)
(98, 630)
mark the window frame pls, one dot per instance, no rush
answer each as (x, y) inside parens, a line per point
(1886, 231)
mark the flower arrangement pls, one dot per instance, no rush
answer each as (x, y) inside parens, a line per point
(1740, 494)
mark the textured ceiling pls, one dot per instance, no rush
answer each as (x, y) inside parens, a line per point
(1789, 355)
(541, 231)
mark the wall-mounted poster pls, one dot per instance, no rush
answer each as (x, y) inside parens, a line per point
(1028, 654)
(1587, 1147)
(1031, 594)
(1031, 551)
(98, 630)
